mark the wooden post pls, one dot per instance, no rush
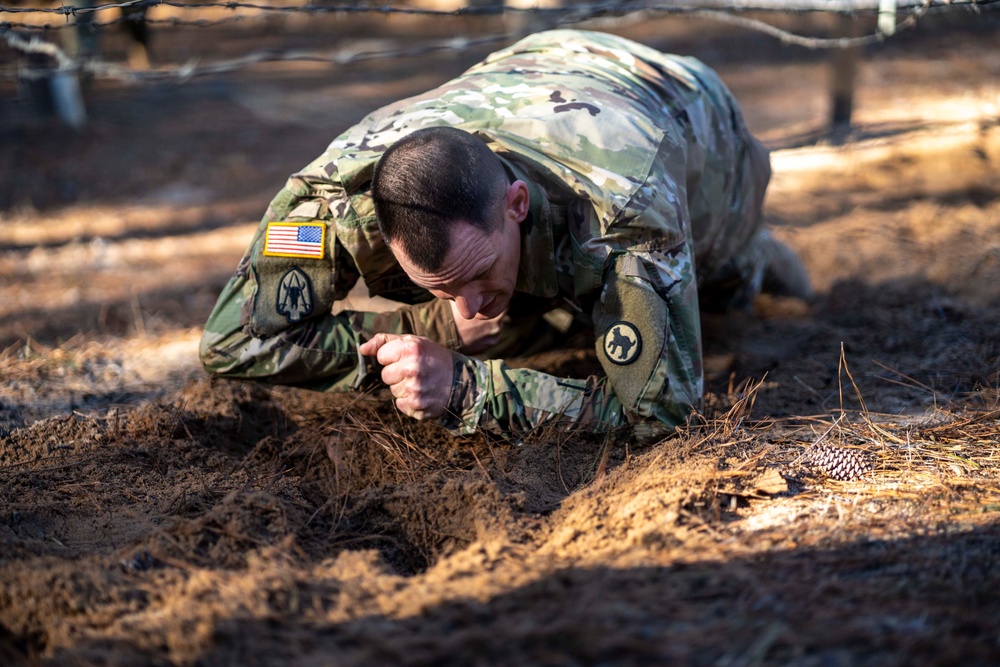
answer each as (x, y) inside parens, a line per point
(79, 43)
(843, 69)
(68, 99)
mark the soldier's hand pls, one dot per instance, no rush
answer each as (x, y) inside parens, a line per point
(418, 371)
(477, 335)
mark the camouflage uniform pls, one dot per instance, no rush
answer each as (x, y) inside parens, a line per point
(644, 184)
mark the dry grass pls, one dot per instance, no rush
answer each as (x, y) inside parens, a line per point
(162, 518)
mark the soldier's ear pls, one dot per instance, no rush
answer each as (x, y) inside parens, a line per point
(517, 202)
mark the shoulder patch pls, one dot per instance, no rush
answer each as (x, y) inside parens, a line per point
(295, 297)
(302, 240)
(622, 343)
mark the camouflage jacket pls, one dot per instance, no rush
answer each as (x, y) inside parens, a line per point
(642, 178)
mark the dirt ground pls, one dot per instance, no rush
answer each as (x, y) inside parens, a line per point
(152, 516)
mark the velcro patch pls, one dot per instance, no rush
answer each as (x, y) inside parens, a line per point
(631, 327)
(295, 296)
(622, 343)
(302, 240)
(292, 284)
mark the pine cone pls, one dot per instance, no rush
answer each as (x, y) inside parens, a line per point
(840, 462)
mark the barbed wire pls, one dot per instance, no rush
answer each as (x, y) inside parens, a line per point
(690, 7)
(343, 56)
(590, 10)
(563, 16)
(171, 22)
(782, 6)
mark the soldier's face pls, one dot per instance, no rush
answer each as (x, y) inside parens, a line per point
(480, 269)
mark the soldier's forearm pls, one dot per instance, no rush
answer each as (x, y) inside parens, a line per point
(320, 352)
(291, 357)
(510, 402)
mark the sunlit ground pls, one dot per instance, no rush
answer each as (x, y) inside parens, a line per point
(159, 517)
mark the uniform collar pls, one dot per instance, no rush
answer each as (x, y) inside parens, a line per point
(537, 273)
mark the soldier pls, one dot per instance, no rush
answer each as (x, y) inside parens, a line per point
(573, 169)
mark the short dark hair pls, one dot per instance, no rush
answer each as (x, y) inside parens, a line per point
(430, 179)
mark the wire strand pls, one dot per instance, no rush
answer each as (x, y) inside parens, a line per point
(606, 12)
(679, 6)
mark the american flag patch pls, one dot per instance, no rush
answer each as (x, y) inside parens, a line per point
(295, 239)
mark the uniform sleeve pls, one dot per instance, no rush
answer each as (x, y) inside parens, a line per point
(318, 353)
(648, 334)
(273, 321)
(509, 402)
(646, 322)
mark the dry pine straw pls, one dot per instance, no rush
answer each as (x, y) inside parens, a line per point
(716, 479)
(956, 448)
(944, 465)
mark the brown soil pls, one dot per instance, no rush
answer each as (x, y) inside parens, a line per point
(150, 515)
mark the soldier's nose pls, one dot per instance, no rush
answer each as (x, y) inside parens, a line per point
(468, 307)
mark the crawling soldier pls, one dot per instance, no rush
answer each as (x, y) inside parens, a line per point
(573, 170)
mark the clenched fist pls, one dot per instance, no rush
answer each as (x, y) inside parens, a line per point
(418, 371)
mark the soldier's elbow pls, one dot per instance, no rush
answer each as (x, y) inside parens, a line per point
(211, 359)
(216, 355)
